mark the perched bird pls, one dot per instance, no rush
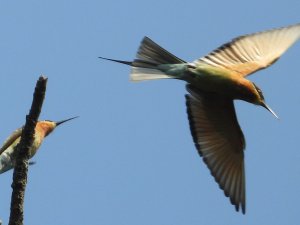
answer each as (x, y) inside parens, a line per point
(7, 151)
(214, 81)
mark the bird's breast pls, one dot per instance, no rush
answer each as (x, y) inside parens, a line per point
(35, 145)
(223, 82)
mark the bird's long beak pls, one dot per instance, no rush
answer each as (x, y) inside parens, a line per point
(269, 109)
(63, 121)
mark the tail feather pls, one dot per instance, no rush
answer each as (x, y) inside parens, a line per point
(118, 61)
(152, 52)
(140, 74)
(149, 57)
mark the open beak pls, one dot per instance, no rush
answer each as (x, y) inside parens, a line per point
(269, 109)
(63, 121)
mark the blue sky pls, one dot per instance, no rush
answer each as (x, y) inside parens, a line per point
(130, 158)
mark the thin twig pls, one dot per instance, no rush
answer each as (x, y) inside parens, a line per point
(21, 167)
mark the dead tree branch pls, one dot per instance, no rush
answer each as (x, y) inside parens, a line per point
(21, 167)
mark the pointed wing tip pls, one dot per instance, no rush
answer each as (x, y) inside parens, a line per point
(239, 207)
(243, 210)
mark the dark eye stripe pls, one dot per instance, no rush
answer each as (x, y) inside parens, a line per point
(259, 92)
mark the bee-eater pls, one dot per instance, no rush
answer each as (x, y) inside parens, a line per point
(8, 149)
(214, 81)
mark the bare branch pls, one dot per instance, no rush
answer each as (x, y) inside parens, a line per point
(21, 167)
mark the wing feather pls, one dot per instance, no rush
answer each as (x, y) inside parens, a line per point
(16, 134)
(219, 140)
(249, 53)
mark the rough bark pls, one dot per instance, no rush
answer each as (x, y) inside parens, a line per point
(21, 168)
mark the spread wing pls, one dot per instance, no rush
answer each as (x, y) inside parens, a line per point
(249, 53)
(219, 140)
(16, 134)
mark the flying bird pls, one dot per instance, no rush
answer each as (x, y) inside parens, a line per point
(8, 149)
(213, 82)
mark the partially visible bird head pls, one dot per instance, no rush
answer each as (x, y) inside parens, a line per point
(47, 126)
(260, 100)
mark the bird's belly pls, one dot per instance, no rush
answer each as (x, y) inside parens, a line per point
(224, 85)
(6, 160)
(35, 146)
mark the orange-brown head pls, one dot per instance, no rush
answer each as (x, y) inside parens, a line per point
(253, 94)
(44, 128)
